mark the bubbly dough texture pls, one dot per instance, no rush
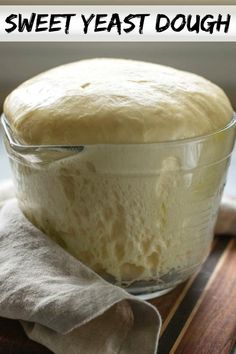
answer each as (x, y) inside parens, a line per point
(115, 101)
(130, 215)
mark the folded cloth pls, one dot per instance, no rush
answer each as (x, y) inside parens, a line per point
(61, 303)
(64, 305)
(226, 221)
(6, 191)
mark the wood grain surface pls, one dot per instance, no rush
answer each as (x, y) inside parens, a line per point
(199, 316)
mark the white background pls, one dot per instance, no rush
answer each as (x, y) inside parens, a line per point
(149, 33)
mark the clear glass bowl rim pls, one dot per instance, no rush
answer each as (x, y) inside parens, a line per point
(21, 148)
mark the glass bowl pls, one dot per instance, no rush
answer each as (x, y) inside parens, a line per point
(140, 215)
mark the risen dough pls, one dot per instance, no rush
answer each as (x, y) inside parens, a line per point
(115, 101)
(131, 212)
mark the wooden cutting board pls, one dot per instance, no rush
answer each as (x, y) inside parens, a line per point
(199, 316)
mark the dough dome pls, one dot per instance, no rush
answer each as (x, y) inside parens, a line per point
(115, 101)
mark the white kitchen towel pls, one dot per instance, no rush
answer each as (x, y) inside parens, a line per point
(226, 221)
(61, 303)
(64, 305)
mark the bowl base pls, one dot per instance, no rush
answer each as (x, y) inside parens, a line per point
(153, 294)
